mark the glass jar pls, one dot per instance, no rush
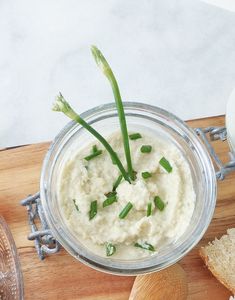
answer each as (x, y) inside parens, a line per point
(139, 116)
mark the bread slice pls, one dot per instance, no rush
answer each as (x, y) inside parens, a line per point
(219, 256)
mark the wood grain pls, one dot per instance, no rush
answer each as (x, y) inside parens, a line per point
(62, 277)
(170, 283)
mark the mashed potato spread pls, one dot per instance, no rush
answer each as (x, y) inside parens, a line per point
(81, 182)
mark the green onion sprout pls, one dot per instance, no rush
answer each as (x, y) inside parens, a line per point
(105, 68)
(63, 106)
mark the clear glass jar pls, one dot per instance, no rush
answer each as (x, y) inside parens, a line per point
(139, 116)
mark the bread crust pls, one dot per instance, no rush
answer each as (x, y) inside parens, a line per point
(205, 258)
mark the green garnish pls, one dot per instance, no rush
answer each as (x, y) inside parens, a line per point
(93, 210)
(146, 149)
(110, 194)
(117, 182)
(159, 203)
(125, 210)
(146, 175)
(110, 249)
(149, 209)
(114, 161)
(165, 164)
(110, 200)
(145, 246)
(135, 136)
(105, 68)
(74, 201)
(94, 149)
(134, 175)
(62, 105)
(93, 155)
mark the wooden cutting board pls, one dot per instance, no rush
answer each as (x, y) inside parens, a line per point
(60, 276)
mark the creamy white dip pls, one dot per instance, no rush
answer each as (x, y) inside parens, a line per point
(86, 181)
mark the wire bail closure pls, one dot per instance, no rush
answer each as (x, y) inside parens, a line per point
(44, 241)
(210, 134)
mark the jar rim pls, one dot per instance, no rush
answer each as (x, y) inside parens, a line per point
(146, 265)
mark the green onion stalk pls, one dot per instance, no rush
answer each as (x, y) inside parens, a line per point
(63, 106)
(105, 68)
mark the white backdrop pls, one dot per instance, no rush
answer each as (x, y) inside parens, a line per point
(177, 54)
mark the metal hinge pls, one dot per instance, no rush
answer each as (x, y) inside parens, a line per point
(44, 241)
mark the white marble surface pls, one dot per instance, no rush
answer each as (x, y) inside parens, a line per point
(226, 4)
(177, 54)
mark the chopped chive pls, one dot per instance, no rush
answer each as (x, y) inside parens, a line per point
(159, 203)
(146, 148)
(165, 164)
(135, 136)
(74, 201)
(63, 106)
(110, 249)
(145, 246)
(146, 175)
(149, 209)
(110, 200)
(125, 210)
(93, 210)
(134, 175)
(105, 68)
(117, 182)
(94, 149)
(110, 194)
(93, 155)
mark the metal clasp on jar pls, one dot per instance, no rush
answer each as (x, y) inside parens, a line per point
(45, 243)
(210, 134)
